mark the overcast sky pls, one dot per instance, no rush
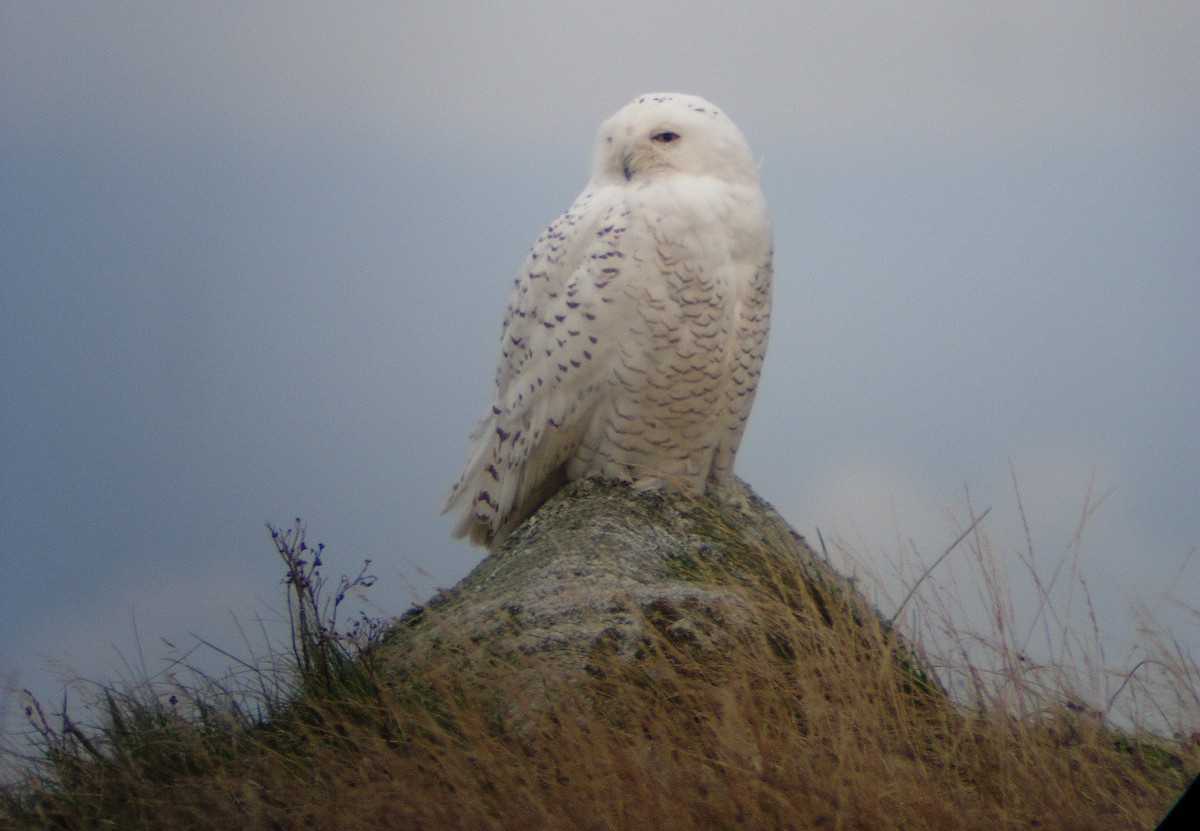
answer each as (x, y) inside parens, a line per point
(253, 259)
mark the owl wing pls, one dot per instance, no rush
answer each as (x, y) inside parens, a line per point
(557, 348)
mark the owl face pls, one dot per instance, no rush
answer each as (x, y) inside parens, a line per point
(671, 134)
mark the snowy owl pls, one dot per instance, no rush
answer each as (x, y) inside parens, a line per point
(635, 331)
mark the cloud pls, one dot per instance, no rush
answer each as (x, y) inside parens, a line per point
(820, 71)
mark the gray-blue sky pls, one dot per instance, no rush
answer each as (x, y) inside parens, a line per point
(254, 260)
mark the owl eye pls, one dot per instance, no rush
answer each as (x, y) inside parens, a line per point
(665, 137)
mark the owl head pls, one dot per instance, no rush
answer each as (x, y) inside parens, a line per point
(666, 134)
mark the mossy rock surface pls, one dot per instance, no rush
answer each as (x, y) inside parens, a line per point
(604, 571)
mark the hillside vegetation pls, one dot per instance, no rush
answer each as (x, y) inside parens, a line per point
(774, 701)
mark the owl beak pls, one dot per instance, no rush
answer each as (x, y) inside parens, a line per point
(627, 165)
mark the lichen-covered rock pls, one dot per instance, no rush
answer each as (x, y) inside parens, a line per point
(606, 570)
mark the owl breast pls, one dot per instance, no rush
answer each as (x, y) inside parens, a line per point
(695, 298)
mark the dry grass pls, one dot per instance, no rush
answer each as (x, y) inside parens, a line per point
(794, 729)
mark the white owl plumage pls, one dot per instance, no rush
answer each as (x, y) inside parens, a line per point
(635, 332)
